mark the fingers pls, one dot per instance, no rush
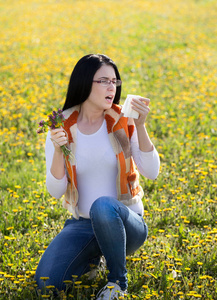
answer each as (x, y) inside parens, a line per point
(57, 132)
(141, 101)
(141, 105)
(58, 137)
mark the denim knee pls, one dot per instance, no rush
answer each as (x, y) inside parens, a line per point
(102, 207)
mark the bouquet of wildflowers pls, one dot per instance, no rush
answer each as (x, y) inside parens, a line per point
(54, 120)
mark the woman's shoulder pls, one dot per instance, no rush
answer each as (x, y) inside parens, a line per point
(68, 112)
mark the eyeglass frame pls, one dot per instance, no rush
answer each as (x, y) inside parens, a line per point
(108, 82)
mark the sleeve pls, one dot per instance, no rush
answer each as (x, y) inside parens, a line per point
(148, 163)
(56, 187)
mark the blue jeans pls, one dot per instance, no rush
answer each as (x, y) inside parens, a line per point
(113, 230)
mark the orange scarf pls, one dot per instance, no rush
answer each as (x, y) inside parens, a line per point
(120, 130)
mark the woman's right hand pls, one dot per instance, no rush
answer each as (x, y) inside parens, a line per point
(58, 137)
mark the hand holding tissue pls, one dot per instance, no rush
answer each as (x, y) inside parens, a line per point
(127, 109)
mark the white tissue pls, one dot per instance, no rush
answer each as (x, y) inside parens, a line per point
(127, 109)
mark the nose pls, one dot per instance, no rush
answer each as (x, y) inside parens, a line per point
(111, 86)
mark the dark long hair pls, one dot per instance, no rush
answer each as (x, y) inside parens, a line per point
(81, 79)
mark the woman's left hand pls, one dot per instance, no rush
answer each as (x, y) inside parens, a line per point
(141, 105)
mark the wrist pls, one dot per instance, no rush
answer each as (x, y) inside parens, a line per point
(140, 126)
(58, 151)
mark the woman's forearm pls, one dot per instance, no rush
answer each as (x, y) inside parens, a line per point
(145, 143)
(57, 168)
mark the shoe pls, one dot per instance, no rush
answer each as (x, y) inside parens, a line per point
(102, 265)
(111, 291)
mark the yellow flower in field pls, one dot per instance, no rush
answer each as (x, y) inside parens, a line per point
(153, 275)
(186, 241)
(199, 263)
(194, 294)
(44, 278)
(110, 287)
(9, 237)
(17, 186)
(181, 179)
(67, 281)
(156, 255)
(136, 259)
(10, 265)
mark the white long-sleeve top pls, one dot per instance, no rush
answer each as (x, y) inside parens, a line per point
(96, 168)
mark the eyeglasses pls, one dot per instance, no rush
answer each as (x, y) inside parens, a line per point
(107, 82)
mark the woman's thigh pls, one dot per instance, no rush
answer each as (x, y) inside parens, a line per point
(133, 224)
(70, 253)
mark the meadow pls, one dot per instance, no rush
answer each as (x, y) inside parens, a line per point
(167, 51)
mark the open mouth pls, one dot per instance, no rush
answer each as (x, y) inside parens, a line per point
(109, 98)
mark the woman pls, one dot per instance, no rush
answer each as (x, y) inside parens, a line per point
(101, 183)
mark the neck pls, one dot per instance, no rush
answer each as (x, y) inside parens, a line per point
(89, 114)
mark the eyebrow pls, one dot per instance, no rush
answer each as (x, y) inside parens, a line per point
(107, 78)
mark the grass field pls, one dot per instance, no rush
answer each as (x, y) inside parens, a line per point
(167, 51)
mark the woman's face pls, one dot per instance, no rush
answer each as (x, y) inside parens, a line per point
(101, 97)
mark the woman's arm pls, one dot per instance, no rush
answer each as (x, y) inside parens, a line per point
(58, 137)
(148, 163)
(144, 153)
(141, 105)
(56, 180)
